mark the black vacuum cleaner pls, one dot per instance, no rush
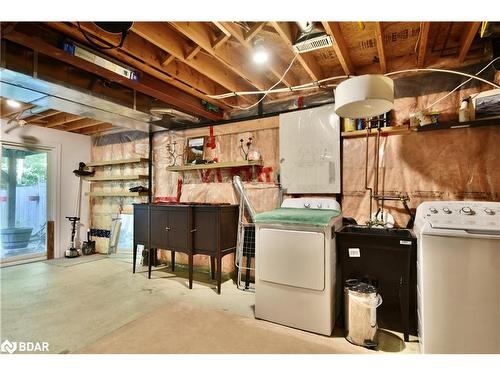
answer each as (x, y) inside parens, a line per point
(73, 250)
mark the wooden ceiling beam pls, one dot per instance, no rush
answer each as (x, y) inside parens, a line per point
(153, 61)
(80, 124)
(147, 85)
(193, 53)
(422, 43)
(287, 33)
(254, 30)
(60, 119)
(95, 129)
(162, 36)
(467, 39)
(379, 36)
(276, 66)
(340, 47)
(42, 115)
(230, 57)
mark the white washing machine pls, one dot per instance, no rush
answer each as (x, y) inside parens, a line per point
(295, 264)
(458, 273)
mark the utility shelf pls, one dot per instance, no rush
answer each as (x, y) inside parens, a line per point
(119, 161)
(118, 178)
(226, 164)
(117, 194)
(384, 131)
(459, 125)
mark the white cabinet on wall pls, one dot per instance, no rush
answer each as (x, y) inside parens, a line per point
(310, 151)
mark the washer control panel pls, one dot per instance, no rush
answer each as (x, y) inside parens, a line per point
(466, 215)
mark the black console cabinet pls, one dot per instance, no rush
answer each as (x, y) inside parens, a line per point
(192, 229)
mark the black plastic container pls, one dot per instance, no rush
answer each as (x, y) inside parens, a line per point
(386, 258)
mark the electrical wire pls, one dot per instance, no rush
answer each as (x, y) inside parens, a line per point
(316, 84)
(460, 85)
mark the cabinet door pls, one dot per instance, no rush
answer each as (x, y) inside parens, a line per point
(205, 223)
(179, 232)
(141, 223)
(159, 223)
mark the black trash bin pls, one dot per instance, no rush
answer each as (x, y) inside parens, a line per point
(385, 258)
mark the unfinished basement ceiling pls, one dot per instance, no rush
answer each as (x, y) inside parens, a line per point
(182, 65)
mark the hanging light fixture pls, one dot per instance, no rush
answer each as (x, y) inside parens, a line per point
(364, 96)
(260, 54)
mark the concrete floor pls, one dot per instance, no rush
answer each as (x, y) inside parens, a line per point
(72, 307)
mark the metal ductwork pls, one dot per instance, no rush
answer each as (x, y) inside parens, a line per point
(311, 37)
(25, 88)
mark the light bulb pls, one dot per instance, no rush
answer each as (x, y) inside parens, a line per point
(13, 103)
(260, 56)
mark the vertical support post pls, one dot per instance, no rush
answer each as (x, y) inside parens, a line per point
(260, 107)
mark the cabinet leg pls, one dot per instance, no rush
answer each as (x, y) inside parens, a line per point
(190, 271)
(219, 274)
(212, 267)
(134, 257)
(150, 261)
(172, 258)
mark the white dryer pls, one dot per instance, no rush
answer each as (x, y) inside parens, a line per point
(295, 264)
(458, 273)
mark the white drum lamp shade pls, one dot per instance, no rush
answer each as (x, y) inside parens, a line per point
(364, 96)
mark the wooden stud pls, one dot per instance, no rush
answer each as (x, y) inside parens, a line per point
(340, 47)
(379, 35)
(147, 85)
(308, 62)
(468, 36)
(422, 43)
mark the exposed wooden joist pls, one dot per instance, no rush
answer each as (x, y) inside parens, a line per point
(340, 47)
(254, 30)
(95, 129)
(61, 119)
(159, 34)
(379, 36)
(287, 33)
(230, 57)
(422, 43)
(151, 61)
(80, 124)
(193, 52)
(468, 36)
(220, 41)
(147, 85)
(7, 111)
(276, 66)
(42, 115)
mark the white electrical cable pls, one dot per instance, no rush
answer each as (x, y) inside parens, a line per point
(460, 85)
(316, 84)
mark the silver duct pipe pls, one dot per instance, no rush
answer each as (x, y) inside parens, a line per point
(238, 185)
(24, 88)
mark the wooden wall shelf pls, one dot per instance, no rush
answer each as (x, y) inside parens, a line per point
(226, 164)
(118, 178)
(406, 130)
(118, 161)
(117, 194)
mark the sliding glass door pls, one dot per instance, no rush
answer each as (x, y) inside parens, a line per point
(23, 203)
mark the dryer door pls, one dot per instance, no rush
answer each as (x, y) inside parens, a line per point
(292, 258)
